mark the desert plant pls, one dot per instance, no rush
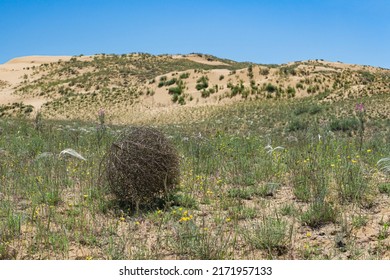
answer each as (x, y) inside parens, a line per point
(141, 165)
(184, 75)
(270, 88)
(202, 83)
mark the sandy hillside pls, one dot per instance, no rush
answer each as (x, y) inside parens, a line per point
(200, 59)
(65, 86)
(20, 70)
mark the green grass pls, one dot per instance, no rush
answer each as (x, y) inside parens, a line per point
(237, 199)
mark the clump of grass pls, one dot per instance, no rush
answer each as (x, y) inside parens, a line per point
(384, 188)
(271, 234)
(296, 125)
(193, 242)
(318, 214)
(384, 165)
(344, 124)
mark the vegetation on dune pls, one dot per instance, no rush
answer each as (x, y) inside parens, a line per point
(87, 83)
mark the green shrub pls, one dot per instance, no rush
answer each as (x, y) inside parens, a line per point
(181, 100)
(270, 88)
(175, 97)
(290, 91)
(185, 75)
(202, 83)
(170, 82)
(175, 90)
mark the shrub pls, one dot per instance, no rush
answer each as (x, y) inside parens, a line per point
(250, 72)
(290, 91)
(270, 88)
(181, 100)
(185, 75)
(264, 71)
(175, 90)
(202, 83)
(236, 89)
(141, 165)
(288, 70)
(175, 97)
(171, 82)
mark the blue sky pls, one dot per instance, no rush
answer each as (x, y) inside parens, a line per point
(263, 31)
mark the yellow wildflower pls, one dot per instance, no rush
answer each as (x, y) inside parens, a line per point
(184, 219)
(369, 151)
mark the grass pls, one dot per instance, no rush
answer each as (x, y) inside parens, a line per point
(237, 199)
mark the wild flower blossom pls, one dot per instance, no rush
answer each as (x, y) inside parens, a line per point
(359, 108)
